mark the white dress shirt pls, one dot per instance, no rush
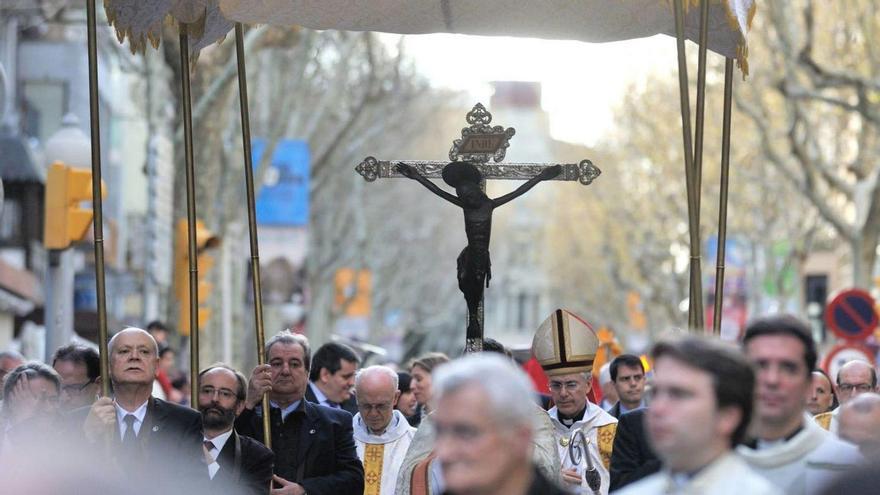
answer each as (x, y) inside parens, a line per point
(219, 441)
(138, 413)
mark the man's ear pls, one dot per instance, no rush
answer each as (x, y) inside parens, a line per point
(239, 407)
(728, 419)
(396, 396)
(324, 375)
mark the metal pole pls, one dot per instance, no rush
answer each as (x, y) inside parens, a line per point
(695, 317)
(190, 219)
(59, 300)
(722, 197)
(97, 200)
(252, 218)
(701, 100)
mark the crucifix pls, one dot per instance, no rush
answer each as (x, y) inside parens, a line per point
(467, 173)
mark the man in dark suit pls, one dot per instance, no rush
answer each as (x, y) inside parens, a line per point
(628, 379)
(632, 457)
(331, 377)
(235, 463)
(313, 444)
(148, 436)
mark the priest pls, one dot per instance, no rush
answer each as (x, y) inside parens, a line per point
(565, 346)
(381, 433)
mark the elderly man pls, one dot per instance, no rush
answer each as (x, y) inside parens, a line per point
(313, 444)
(235, 463)
(331, 377)
(789, 448)
(822, 398)
(146, 434)
(853, 379)
(628, 376)
(484, 429)
(565, 346)
(701, 407)
(860, 424)
(79, 368)
(421, 475)
(382, 434)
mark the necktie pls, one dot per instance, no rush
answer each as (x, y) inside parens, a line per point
(129, 438)
(209, 445)
(334, 405)
(209, 459)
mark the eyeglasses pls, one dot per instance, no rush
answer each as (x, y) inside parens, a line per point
(849, 387)
(569, 386)
(75, 388)
(222, 392)
(375, 407)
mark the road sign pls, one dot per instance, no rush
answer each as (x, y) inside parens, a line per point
(851, 315)
(844, 353)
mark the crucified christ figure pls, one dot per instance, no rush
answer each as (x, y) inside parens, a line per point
(474, 267)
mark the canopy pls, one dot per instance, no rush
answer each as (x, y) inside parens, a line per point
(585, 20)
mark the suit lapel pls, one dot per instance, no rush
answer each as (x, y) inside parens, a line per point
(308, 431)
(153, 421)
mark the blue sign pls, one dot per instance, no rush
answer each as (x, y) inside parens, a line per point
(283, 198)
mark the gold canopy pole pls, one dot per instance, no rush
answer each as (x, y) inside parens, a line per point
(695, 317)
(97, 200)
(190, 219)
(722, 197)
(252, 218)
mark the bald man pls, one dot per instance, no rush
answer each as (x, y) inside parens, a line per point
(853, 379)
(381, 433)
(860, 423)
(144, 435)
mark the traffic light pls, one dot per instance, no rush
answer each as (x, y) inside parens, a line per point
(205, 240)
(65, 221)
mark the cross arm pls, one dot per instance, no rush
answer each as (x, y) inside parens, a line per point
(584, 171)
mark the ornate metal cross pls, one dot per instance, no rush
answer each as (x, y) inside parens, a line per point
(479, 144)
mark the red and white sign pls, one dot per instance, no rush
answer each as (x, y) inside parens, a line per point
(844, 353)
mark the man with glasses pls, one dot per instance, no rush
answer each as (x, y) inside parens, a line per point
(565, 346)
(235, 463)
(853, 379)
(382, 434)
(79, 368)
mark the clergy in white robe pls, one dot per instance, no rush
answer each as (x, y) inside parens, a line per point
(382, 435)
(382, 452)
(599, 429)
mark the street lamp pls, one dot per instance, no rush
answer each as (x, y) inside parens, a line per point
(71, 146)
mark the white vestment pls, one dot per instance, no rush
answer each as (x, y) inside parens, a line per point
(594, 418)
(394, 443)
(805, 463)
(727, 475)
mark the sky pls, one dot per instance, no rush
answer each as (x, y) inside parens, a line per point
(581, 82)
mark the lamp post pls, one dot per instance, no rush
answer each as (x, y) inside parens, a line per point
(71, 146)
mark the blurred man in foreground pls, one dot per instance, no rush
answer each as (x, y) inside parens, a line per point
(700, 409)
(484, 432)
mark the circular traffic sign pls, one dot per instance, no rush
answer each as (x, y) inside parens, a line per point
(844, 353)
(851, 315)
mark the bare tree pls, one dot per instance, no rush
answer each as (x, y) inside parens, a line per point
(813, 100)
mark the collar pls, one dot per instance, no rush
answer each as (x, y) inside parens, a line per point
(138, 413)
(320, 397)
(219, 441)
(624, 409)
(397, 428)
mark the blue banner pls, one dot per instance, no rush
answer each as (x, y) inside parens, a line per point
(283, 198)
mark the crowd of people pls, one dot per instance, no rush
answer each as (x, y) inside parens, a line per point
(757, 417)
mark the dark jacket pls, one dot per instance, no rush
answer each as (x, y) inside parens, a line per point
(540, 486)
(632, 457)
(313, 446)
(349, 405)
(169, 443)
(246, 469)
